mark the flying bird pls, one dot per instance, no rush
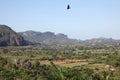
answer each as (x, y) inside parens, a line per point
(68, 7)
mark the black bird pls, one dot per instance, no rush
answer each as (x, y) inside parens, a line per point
(68, 6)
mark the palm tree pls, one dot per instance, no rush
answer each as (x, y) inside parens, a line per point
(59, 72)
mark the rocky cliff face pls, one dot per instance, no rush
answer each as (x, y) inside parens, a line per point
(8, 37)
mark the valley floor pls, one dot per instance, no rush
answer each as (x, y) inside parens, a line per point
(51, 63)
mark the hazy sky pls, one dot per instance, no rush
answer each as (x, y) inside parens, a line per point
(86, 19)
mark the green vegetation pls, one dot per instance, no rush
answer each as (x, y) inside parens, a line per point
(59, 63)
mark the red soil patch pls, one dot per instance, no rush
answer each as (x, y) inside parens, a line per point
(59, 62)
(70, 61)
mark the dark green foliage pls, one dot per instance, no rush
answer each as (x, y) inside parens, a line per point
(49, 72)
(3, 62)
(114, 59)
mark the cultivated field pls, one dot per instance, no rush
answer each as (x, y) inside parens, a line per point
(44, 63)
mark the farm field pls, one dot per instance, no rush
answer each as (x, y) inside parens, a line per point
(41, 63)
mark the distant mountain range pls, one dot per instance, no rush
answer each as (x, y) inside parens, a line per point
(9, 37)
(51, 38)
(48, 38)
(102, 41)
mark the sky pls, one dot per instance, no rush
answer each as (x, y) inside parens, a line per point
(85, 20)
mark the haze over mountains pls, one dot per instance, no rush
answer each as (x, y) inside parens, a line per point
(9, 37)
(51, 38)
(48, 38)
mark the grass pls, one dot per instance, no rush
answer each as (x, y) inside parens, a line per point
(70, 65)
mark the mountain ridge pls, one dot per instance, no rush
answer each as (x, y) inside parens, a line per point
(46, 37)
(60, 38)
(9, 37)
